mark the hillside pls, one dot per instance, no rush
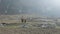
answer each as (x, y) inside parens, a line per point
(28, 31)
(16, 18)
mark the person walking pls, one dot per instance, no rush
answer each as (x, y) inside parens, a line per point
(22, 19)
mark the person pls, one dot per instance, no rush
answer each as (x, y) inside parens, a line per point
(25, 20)
(22, 19)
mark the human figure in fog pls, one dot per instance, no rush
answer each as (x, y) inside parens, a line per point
(23, 19)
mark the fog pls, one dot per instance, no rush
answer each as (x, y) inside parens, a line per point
(43, 7)
(39, 7)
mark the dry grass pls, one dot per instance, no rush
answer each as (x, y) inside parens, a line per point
(16, 18)
(16, 30)
(28, 31)
(12, 18)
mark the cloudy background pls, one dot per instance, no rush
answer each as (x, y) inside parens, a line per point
(39, 7)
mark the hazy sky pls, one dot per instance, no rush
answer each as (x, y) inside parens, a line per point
(44, 7)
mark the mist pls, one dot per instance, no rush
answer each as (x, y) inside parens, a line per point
(39, 7)
(42, 7)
